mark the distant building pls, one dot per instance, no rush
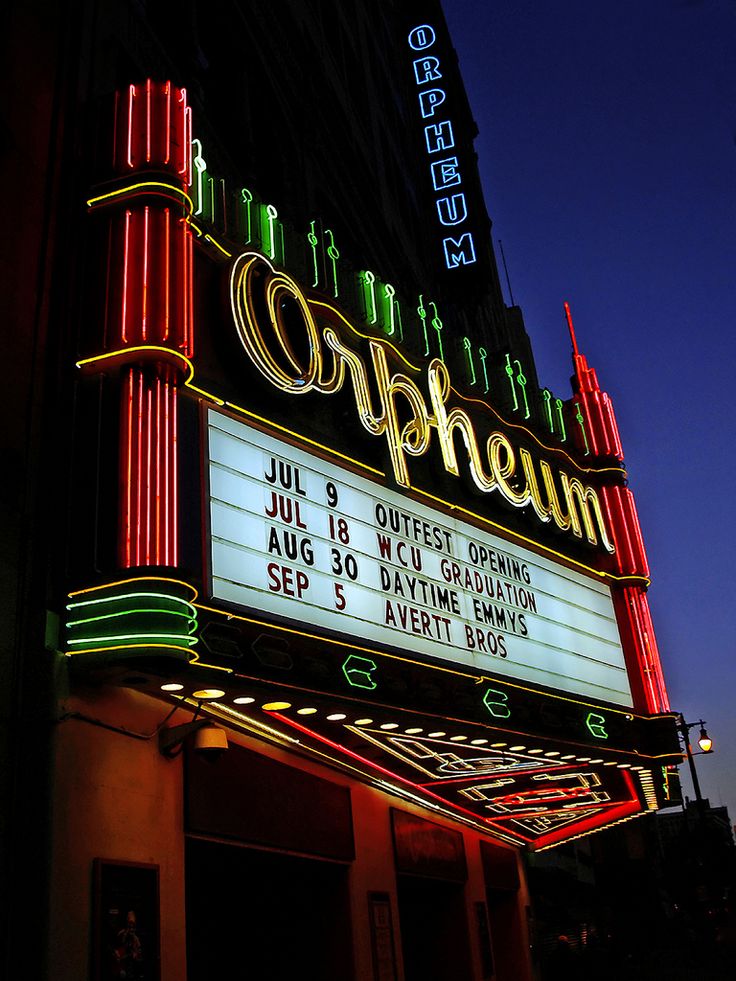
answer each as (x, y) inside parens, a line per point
(656, 896)
(319, 610)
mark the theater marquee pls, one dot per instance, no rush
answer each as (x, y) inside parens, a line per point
(458, 617)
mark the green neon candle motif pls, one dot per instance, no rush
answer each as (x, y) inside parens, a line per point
(200, 167)
(397, 315)
(271, 216)
(368, 280)
(521, 379)
(595, 724)
(333, 255)
(581, 423)
(223, 205)
(246, 198)
(313, 243)
(561, 418)
(359, 671)
(469, 354)
(211, 190)
(483, 354)
(547, 397)
(509, 369)
(496, 703)
(437, 324)
(423, 317)
(390, 318)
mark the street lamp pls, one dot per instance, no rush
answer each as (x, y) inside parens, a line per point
(706, 746)
(704, 741)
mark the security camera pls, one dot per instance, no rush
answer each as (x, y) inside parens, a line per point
(210, 742)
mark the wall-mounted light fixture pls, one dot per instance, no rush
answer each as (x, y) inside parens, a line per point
(208, 739)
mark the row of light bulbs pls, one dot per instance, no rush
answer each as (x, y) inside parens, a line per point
(214, 694)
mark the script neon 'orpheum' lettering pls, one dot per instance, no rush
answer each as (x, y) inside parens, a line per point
(268, 307)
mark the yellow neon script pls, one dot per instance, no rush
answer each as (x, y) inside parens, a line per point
(296, 354)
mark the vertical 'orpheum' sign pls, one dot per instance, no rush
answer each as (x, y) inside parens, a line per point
(439, 137)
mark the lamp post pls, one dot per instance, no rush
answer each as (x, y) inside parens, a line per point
(706, 746)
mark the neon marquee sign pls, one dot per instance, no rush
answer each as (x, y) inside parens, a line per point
(452, 209)
(259, 295)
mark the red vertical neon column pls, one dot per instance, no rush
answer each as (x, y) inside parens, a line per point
(149, 309)
(630, 559)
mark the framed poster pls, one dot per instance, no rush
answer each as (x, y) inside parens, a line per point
(382, 936)
(125, 921)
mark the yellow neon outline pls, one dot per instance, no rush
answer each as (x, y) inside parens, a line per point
(130, 647)
(209, 238)
(166, 647)
(170, 351)
(124, 582)
(207, 395)
(109, 195)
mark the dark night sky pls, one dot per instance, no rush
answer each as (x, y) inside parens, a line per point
(607, 150)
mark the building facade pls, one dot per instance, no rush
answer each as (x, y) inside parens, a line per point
(321, 609)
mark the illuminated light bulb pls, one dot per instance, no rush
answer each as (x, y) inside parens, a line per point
(517, 749)
(478, 742)
(637, 767)
(498, 745)
(596, 761)
(704, 741)
(208, 693)
(553, 752)
(568, 756)
(244, 700)
(457, 739)
(172, 686)
(583, 759)
(336, 717)
(414, 731)
(535, 752)
(437, 735)
(275, 706)
(390, 725)
(624, 766)
(306, 711)
(363, 722)
(611, 763)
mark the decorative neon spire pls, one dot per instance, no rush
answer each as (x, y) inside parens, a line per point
(599, 421)
(596, 417)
